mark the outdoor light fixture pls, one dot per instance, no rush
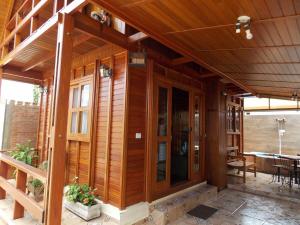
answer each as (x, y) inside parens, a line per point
(245, 22)
(238, 27)
(294, 96)
(137, 59)
(224, 93)
(105, 71)
(43, 90)
(102, 16)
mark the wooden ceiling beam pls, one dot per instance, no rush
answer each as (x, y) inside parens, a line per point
(39, 60)
(139, 36)
(15, 73)
(91, 27)
(165, 40)
(181, 60)
(208, 75)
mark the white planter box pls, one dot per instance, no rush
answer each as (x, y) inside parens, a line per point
(85, 212)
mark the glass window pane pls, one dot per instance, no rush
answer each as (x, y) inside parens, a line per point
(197, 121)
(83, 122)
(73, 122)
(75, 98)
(85, 95)
(162, 111)
(161, 161)
(237, 119)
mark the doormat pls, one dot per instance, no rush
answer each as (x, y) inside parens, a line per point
(202, 212)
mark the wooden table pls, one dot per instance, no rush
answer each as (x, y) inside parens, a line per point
(294, 158)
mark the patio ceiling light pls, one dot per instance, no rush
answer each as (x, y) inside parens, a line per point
(245, 22)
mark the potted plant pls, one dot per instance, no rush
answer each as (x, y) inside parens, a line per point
(81, 200)
(35, 186)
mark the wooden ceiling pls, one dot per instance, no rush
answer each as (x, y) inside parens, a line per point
(269, 64)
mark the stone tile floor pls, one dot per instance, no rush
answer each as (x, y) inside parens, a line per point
(6, 209)
(235, 207)
(256, 202)
(261, 185)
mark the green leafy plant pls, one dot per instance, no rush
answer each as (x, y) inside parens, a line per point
(36, 183)
(81, 193)
(36, 94)
(24, 153)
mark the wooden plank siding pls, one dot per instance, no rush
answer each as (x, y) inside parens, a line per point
(136, 148)
(111, 159)
(44, 121)
(78, 152)
(117, 129)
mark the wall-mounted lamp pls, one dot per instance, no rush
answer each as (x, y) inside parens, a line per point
(105, 71)
(43, 90)
(102, 16)
(137, 59)
(245, 22)
(224, 93)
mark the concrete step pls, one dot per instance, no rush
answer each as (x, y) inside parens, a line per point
(170, 209)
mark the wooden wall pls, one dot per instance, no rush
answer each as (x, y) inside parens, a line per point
(136, 148)
(44, 120)
(98, 159)
(216, 152)
(101, 165)
(112, 159)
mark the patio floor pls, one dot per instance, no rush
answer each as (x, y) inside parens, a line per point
(256, 202)
(235, 207)
(261, 185)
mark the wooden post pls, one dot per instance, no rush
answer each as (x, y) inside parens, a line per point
(34, 20)
(149, 132)
(108, 133)
(3, 173)
(62, 73)
(17, 37)
(21, 185)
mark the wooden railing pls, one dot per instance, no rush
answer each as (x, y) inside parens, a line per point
(26, 17)
(22, 201)
(31, 16)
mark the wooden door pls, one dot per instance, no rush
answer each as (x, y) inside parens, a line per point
(197, 137)
(162, 136)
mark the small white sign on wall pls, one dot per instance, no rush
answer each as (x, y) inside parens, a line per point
(138, 135)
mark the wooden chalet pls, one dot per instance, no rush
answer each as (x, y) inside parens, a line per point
(147, 105)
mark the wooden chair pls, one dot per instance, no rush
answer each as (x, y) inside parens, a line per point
(240, 163)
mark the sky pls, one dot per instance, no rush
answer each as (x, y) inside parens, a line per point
(18, 91)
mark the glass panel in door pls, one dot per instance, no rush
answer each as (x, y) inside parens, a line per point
(197, 137)
(180, 136)
(162, 133)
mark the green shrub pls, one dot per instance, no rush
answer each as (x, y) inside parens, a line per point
(81, 193)
(24, 153)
